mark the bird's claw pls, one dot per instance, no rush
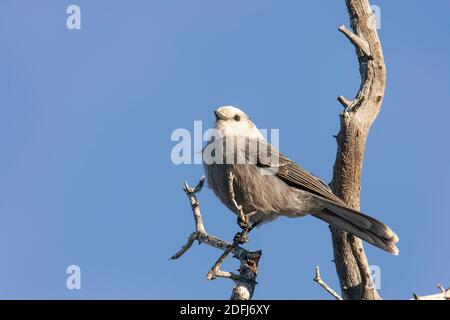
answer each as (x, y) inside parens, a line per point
(243, 222)
(241, 237)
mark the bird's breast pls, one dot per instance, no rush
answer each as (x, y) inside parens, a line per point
(254, 190)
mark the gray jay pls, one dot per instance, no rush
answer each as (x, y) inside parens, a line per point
(268, 185)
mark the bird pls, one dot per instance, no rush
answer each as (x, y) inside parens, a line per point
(267, 185)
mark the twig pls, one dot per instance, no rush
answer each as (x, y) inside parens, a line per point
(245, 281)
(443, 295)
(190, 192)
(215, 271)
(243, 218)
(357, 41)
(345, 103)
(323, 284)
(186, 247)
(243, 222)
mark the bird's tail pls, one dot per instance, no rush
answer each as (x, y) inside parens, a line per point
(360, 225)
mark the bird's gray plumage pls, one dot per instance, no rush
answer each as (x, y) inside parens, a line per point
(268, 185)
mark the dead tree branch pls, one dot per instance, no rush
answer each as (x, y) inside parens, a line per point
(443, 295)
(351, 263)
(324, 285)
(245, 281)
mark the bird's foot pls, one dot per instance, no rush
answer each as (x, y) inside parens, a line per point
(241, 237)
(243, 222)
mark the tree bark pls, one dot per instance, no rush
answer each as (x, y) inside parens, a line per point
(351, 262)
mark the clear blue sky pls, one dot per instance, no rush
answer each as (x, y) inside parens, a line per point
(86, 117)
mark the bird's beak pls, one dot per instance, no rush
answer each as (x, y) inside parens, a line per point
(219, 116)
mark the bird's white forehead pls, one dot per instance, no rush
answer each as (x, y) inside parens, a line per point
(229, 110)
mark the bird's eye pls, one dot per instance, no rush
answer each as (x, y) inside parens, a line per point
(237, 117)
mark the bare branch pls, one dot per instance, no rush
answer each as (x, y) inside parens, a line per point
(186, 247)
(358, 42)
(190, 192)
(323, 284)
(215, 269)
(345, 103)
(443, 295)
(245, 282)
(224, 274)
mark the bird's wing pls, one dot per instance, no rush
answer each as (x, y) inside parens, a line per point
(293, 174)
(335, 211)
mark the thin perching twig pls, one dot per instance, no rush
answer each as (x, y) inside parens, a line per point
(245, 281)
(323, 284)
(241, 215)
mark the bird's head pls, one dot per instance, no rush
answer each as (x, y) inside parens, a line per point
(231, 121)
